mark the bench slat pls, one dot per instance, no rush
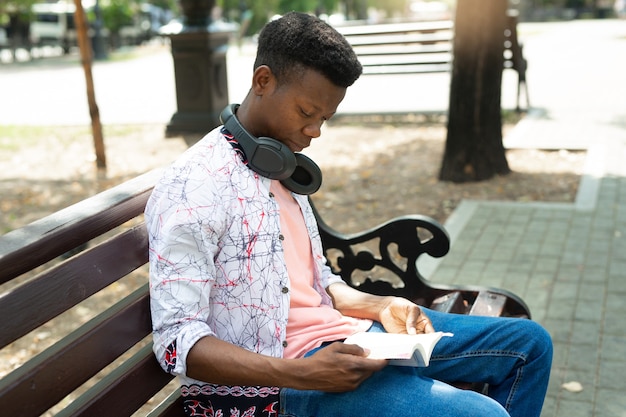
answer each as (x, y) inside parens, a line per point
(172, 406)
(400, 39)
(390, 28)
(419, 50)
(408, 59)
(46, 379)
(488, 304)
(51, 293)
(450, 303)
(124, 390)
(406, 69)
(39, 242)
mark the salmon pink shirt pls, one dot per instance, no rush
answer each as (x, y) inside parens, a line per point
(310, 322)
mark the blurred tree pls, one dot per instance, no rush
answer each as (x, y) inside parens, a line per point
(115, 15)
(165, 4)
(10, 10)
(11, 6)
(263, 10)
(15, 18)
(474, 149)
(355, 9)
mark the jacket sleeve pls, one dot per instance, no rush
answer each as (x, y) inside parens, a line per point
(183, 232)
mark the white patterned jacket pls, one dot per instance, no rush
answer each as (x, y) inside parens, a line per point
(216, 258)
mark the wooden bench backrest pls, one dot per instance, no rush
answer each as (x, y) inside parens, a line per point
(46, 379)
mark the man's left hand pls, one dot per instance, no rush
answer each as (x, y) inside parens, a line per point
(400, 315)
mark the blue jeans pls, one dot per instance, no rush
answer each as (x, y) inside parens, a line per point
(512, 355)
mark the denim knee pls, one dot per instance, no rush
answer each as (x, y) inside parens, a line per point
(540, 344)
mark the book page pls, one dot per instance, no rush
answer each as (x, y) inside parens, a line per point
(400, 349)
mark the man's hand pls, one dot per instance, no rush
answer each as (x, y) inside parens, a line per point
(335, 368)
(400, 315)
(397, 314)
(338, 368)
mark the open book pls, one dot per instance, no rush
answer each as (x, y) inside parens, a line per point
(400, 349)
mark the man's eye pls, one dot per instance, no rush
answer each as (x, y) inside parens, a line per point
(305, 114)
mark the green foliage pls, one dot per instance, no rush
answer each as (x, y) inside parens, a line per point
(11, 6)
(165, 4)
(15, 7)
(263, 10)
(117, 13)
(285, 6)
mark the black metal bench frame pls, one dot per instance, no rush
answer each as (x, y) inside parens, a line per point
(61, 273)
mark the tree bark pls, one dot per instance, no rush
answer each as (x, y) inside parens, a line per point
(474, 149)
(86, 57)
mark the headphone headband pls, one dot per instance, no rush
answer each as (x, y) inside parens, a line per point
(272, 158)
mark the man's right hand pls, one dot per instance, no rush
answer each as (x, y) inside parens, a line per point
(337, 368)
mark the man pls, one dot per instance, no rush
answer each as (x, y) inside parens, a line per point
(244, 308)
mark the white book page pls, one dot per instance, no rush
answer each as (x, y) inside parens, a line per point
(398, 348)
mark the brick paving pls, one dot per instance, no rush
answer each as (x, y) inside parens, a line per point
(567, 261)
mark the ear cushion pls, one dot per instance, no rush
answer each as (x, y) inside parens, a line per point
(267, 156)
(271, 158)
(306, 178)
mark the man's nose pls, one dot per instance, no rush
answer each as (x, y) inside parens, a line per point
(314, 130)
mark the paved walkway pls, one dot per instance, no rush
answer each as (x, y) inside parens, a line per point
(567, 261)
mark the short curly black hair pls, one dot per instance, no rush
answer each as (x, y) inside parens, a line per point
(297, 41)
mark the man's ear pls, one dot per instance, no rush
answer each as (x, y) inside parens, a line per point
(263, 80)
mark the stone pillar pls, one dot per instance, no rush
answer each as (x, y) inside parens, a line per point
(199, 51)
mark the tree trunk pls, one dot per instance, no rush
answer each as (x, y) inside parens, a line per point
(86, 57)
(474, 149)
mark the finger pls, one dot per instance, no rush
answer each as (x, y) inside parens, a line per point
(351, 349)
(425, 324)
(412, 320)
(422, 323)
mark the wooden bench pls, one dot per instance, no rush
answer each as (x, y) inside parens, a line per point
(102, 364)
(423, 47)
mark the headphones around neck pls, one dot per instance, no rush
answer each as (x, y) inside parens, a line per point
(272, 158)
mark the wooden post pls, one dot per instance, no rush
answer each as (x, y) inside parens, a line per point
(86, 58)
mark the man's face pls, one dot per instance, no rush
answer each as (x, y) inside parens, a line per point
(295, 111)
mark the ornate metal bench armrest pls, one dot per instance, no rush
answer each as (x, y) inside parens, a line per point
(383, 260)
